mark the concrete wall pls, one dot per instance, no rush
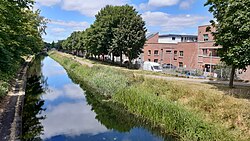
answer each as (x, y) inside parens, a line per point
(244, 75)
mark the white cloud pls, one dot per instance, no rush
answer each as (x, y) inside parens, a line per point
(71, 91)
(48, 2)
(186, 4)
(89, 7)
(152, 4)
(75, 24)
(73, 115)
(58, 30)
(52, 94)
(162, 3)
(171, 23)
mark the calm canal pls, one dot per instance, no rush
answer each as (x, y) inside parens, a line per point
(64, 111)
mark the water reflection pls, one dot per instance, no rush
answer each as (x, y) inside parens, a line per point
(70, 115)
(35, 86)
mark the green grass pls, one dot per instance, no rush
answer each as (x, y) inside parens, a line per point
(191, 111)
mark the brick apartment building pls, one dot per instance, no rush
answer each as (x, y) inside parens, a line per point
(183, 51)
(189, 52)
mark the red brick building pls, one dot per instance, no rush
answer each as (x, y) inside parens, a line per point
(186, 51)
(189, 52)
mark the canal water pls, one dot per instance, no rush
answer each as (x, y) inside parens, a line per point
(57, 109)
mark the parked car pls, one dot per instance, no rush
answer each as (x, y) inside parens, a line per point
(152, 66)
(168, 66)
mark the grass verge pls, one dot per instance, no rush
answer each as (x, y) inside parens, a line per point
(191, 111)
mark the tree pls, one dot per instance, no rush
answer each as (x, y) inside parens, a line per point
(120, 30)
(58, 44)
(20, 34)
(129, 36)
(233, 32)
(52, 45)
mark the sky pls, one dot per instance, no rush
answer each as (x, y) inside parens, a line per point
(163, 16)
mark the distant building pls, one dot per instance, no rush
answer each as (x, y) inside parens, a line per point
(174, 38)
(208, 52)
(186, 51)
(183, 51)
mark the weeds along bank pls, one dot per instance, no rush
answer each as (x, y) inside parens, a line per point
(191, 111)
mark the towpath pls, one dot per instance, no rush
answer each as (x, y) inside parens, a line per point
(11, 107)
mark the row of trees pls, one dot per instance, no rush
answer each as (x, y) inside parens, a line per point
(117, 30)
(20, 34)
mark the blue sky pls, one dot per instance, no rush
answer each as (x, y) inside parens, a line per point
(164, 16)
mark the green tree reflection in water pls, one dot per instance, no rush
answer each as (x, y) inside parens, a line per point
(31, 116)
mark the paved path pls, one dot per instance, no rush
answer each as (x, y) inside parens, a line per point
(78, 59)
(197, 80)
(11, 107)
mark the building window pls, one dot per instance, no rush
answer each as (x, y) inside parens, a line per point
(156, 60)
(180, 64)
(181, 53)
(168, 51)
(173, 38)
(175, 55)
(214, 52)
(149, 52)
(156, 52)
(205, 36)
(204, 52)
(149, 60)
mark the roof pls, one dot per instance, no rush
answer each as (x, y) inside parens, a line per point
(178, 35)
(151, 35)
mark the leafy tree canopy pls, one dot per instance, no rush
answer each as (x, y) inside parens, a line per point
(233, 31)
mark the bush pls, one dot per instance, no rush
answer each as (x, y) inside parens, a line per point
(3, 89)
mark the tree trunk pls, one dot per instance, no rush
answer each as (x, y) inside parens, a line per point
(113, 58)
(121, 58)
(103, 57)
(231, 83)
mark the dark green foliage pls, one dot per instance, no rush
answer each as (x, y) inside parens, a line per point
(74, 43)
(20, 34)
(117, 30)
(233, 31)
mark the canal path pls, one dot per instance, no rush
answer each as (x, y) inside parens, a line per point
(68, 112)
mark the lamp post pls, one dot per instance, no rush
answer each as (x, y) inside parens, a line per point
(211, 57)
(161, 56)
(170, 59)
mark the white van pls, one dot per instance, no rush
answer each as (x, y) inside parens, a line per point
(152, 66)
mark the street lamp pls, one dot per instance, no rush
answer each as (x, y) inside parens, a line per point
(211, 57)
(161, 56)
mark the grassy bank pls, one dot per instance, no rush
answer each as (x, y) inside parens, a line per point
(191, 111)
